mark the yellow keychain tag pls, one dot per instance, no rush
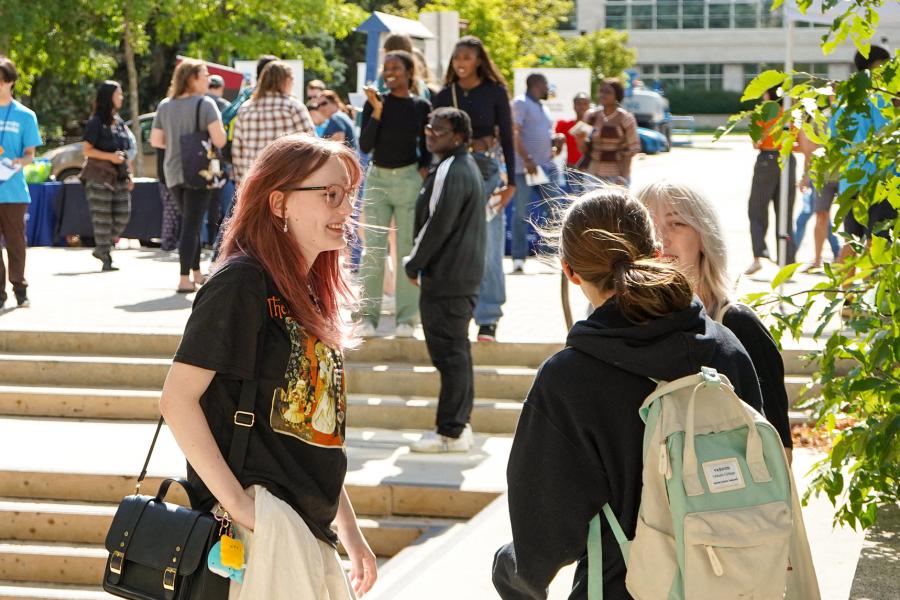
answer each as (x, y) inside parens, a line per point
(232, 552)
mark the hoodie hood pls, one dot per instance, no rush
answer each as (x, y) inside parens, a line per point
(659, 349)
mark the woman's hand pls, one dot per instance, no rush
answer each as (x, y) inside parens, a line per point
(243, 511)
(117, 158)
(363, 568)
(375, 100)
(130, 184)
(506, 195)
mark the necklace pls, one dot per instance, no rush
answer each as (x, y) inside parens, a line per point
(314, 298)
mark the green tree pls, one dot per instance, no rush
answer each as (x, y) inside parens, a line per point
(604, 52)
(862, 408)
(517, 33)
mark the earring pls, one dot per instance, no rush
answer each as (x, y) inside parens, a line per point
(284, 229)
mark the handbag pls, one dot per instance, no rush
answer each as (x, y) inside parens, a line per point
(199, 159)
(158, 550)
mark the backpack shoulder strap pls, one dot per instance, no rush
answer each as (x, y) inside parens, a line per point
(721, 310)
(595, 550)
(802, 583)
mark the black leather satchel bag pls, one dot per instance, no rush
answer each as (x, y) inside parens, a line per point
(158, 550)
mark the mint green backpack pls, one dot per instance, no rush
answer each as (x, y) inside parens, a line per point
(719, 515)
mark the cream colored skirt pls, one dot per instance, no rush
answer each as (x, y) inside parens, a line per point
(285, 561)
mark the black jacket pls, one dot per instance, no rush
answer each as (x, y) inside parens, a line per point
(578, 444)
(448, 246)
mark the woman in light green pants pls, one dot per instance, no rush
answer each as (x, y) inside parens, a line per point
(393, 131)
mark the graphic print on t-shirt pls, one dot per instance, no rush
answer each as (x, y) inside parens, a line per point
(313, 407)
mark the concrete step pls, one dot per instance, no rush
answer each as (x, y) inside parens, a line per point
(504, 383)
(365, 410)
(154, 344)
(163, 345)
(77, 523)
(73, 564)
(150, 373)
(97, 461)
(23, 590)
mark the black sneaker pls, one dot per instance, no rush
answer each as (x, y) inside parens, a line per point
(487, 333)
(21, 297)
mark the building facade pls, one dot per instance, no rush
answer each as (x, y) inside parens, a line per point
(712, 44)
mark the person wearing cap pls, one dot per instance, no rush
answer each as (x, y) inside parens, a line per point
(217, 91)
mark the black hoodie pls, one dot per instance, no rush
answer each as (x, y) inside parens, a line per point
(578, 443)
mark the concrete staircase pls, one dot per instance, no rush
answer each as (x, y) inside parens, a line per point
(77, 412)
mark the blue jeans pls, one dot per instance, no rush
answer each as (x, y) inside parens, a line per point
(521, 214)
(492, 293)
(809, 199)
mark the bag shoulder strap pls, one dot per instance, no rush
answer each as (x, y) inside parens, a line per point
(721, 310)
(595, 550)
(197, 115)
(244, 417)
(453, 93)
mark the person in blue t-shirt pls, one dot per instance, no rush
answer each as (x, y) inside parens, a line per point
(338, 126)
(863, 124)
(19, 136)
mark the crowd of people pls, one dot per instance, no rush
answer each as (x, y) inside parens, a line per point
(443, 163)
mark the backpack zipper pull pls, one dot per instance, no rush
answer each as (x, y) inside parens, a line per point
(665, 467)
(714, 561)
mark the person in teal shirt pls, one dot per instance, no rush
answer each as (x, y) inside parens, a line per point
(19, 137)
(862, 124)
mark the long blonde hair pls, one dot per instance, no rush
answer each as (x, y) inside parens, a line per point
(186, 70)
(713, 284)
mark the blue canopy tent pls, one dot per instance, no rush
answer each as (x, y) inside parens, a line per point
(380, 23)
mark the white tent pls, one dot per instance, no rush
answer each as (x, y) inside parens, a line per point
(889, 17)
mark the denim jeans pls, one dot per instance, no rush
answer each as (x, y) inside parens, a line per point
(809, 198)
(492, 293)
(521, 213)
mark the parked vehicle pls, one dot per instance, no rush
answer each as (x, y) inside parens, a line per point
(651, 111)
(653, 141)
(66, 160)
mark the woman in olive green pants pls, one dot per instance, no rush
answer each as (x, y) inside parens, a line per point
(393, 130)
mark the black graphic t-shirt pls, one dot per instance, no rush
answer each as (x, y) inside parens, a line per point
(296, 447)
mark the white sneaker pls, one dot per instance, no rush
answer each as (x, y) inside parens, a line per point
(754, 267)
(518, 266)
(468, 434)
(435, 443)
(388, 305)
(405, 330)
(367, 330)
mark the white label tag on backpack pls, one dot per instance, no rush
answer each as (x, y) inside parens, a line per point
(723, 475)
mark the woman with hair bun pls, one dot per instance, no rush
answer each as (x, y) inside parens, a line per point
(578, 444)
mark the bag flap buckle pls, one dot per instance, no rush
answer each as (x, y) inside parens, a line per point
(169, 579)
(116, 560)
(244, 418)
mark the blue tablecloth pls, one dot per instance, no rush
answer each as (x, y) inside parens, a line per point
(58, 210)
(40, 223)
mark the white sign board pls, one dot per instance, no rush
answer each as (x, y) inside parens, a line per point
(564, 84)
(248, 68)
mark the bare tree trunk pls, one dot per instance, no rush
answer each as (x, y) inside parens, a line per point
(133, 94)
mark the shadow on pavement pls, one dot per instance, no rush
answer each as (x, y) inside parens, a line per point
(878, 569)
(173, 302)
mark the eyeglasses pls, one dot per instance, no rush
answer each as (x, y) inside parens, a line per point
(436, 130)
(335, 195)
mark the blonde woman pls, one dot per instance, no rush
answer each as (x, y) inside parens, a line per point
(689, 229)
(186, 108)
(269, 114)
